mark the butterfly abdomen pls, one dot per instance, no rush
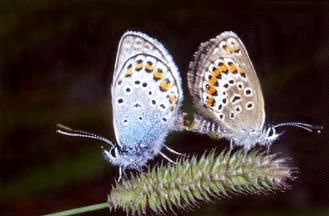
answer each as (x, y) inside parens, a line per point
(204, 126)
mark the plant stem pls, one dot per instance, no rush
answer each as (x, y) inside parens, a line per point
(80, 210)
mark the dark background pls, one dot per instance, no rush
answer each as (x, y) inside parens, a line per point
(56, 64)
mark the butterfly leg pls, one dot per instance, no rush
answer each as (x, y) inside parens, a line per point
(173, 151)
(268, 149)
(167, 158)
(139, 169)
(231, 144)
(120, 173)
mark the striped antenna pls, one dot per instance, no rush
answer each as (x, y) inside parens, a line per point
(305, 126)
(62, 129)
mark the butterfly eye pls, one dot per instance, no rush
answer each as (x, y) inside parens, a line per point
(271, 132)
(114, 152)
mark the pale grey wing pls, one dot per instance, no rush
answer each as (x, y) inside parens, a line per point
(225, 86)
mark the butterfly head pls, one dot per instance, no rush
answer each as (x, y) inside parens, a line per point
(269, 134)
(113, 155)
(249, 138)
(127, 159)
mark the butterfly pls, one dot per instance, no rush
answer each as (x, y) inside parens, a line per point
(146, 99)
(228, 95)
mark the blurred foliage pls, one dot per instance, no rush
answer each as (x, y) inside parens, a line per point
(54, 176)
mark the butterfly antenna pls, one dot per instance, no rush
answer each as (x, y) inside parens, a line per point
(305, 126)
(62, 129)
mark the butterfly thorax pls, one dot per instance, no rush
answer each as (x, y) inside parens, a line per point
(249, 138)
(130, 158)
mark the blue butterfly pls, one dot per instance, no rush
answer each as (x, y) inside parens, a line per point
(146, 99)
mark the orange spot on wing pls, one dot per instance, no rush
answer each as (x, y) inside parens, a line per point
(219, 70)
(231, 48)
(211, 90)
(216, 73)
(233, 68)
(173, 101)
(158, 74)
(149, 67)
(211, 102)
(212, 81)
(129, 72)
(139, 66)
(165, 85)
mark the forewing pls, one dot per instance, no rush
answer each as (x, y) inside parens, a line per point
(224, 84)
(146, 91)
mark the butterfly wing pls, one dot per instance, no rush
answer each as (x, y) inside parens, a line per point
(224, 85)
(146, 92)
